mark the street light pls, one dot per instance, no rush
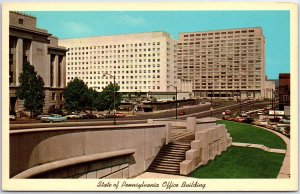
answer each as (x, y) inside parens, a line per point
(211, 104)
(136, 100)
(175, 98)
(240, 102)
(114, 77)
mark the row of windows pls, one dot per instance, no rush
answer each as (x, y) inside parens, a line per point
(118, 61)
(218, 33)
(215, 41)
(114, 51)
(116, 46)
(103, 72)
(119, 66)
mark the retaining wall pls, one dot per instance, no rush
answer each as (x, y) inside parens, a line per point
(85, 152)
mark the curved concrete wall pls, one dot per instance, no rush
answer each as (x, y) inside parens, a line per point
(34, 147)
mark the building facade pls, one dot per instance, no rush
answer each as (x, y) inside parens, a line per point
(40, 49)
(223, 63)
(284, 91)
(142, 62)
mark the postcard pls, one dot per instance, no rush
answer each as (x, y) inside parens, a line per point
(149, 96)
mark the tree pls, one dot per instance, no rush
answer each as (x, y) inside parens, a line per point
(31, 90)
(76, 96)
(92, 99)
(107, 96)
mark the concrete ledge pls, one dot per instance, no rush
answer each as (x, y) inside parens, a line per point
(71, 161)
(86, 128)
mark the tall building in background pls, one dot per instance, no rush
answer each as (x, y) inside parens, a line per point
(222, 63)
(40, 49)
(143, 62)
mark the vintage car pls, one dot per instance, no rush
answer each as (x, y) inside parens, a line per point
(53, 118)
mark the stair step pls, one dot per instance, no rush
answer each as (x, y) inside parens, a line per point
(166, 171)
(165, 166)
(170, 155)
(173, 151)
(171, 160)
(166, 161)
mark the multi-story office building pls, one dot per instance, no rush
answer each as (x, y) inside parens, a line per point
(140, 62)
(284, 92)
(223, 63)
(40, 49)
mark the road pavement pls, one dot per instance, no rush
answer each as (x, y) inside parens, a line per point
(198, 111)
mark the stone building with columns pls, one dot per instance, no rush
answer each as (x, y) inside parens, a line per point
(40, 49)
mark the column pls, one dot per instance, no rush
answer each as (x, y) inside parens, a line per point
(19, 60)
(55, 72)
(63, 72)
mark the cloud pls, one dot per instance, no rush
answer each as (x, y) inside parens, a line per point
(130, 20)
(76, 28)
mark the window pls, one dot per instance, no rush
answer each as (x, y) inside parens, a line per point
(20, 21)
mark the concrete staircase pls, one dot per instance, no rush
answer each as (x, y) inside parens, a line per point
(168, 159)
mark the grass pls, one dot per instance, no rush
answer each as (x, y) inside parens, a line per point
(241, 162)
(244, 133)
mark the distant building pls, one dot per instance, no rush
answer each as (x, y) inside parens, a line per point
(284, 91)
(142, 62)
(40, 49)
(222, 63)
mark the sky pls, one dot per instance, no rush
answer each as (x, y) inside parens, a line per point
(275, 25)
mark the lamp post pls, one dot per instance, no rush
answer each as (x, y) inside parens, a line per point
(114, 95)
(211, 105)
(175, 99)
(136, 100)
(240, 101)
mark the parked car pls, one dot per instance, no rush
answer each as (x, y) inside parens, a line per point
(118, 114)
(287, 121)
(239, 119)
(262, 123)
(248, 120)
(271, 126)
(73, 116)
(12, 117)
(42, 115)
(243, 114)
(227, 112)
(53, 118)
(286, 131)
(109, 115)
(91, 116)
(181, 113)
(100, 116)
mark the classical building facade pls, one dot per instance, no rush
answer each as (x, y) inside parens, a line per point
(40, 49)
(223, 63)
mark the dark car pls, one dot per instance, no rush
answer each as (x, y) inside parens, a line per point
(248, 120)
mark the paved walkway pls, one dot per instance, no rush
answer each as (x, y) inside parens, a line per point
(262, 147)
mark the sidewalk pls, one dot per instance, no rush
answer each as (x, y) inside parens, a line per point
(154, 175)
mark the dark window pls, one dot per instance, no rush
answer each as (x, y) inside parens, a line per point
(20, 21)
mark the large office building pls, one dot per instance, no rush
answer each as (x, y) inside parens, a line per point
(27, 43)
(223, 63)
(144, 62)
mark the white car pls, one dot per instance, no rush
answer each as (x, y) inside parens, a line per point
(73, 116)
(12, 117)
